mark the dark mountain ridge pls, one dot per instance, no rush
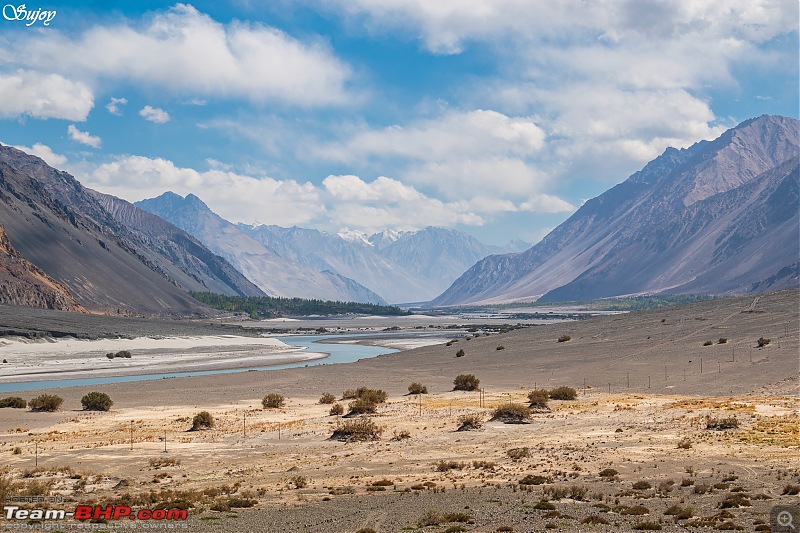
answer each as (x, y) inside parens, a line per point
(718, 217)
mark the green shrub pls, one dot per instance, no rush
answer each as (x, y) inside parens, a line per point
(564, 338)
(680, 513)
(634, 510)
(327, 398)
(723, 340)
(762, 342)
(336, 409)
(647, 526)
(791, 489)
(349, 394)
(594, 519)
(512, 413)
(466, 382)
(446, 466)
(14, 402)
(202, 420)
(532, 479)
(365, 393)
(538, 399)
(519, 453)
(708, 343)
(360, 406)
(122, 353)
(501, 347)
(608, 473)
(642, 485)
(563, 393)
(45, 402)
(273, 400)
(96, 401)
(430, 518)
(460, 353)
(360, 429)
(469, 422)
(417, 388)
(730, 422)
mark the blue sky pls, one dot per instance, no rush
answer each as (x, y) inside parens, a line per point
(495, 117)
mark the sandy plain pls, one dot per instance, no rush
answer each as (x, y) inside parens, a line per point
(641, 395)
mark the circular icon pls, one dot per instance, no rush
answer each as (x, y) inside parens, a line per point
(785, 519)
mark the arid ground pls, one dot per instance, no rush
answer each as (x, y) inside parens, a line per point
(633, 451)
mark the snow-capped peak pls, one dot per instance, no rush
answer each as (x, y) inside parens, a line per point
(354, 235)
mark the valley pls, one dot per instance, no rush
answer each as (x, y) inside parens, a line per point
(647, 388)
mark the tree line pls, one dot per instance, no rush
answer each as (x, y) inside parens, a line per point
(274, 307)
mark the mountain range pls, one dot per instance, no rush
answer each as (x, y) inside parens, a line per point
(389, 266)
(719, 217)
(275, 274)
(85, 256)
(411, 266)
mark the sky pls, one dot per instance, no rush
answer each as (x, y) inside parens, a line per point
(494, 117)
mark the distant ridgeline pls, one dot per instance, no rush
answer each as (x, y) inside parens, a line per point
(269, 307)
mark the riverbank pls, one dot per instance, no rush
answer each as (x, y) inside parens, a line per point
(58, 359)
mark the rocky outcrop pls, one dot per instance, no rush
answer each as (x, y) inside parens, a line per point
(23, 283)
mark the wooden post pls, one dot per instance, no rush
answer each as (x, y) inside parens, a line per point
(648, 382)
(665, 372)
(701, 365)
(719, 367)
(629, 380)
(36, 445)
(279, 431)
(684, 374)
(131, 434)
(609, 388)
(244, 423)
(165, 441)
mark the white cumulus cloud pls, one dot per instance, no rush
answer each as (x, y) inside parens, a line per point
(235, 197)
(46, 153)
(25, 92)
(189, 53)
(456, 153)
(154, 114)
(115, 104)
(83, 137)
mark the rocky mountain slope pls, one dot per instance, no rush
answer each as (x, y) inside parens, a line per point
(23, 283)
(273, 273)
(60, 227)
(719, 217)
(193, 265)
